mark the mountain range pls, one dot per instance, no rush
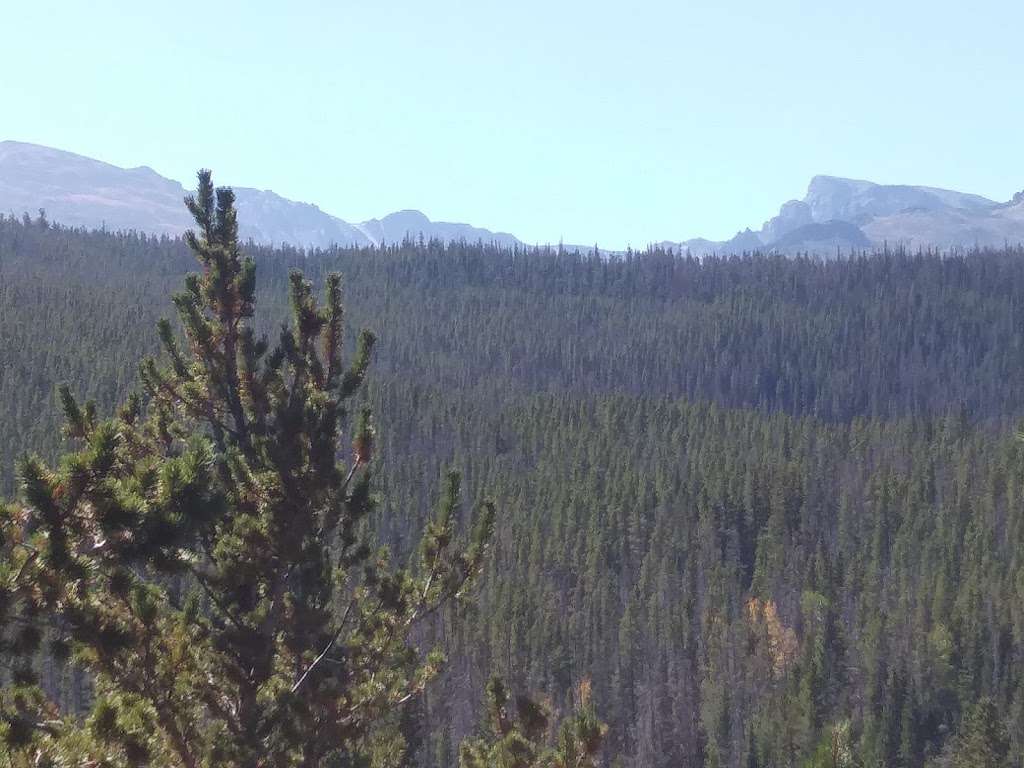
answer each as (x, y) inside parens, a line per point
(835, 214)
(849, 214)
(82, 192)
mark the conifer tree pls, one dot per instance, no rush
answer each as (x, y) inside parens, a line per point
(205, 556)
(521, 734)
(982, 741)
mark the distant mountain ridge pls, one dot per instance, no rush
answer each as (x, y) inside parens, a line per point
(79, 191)
(851, 214)
(836, 214)
(395, 226)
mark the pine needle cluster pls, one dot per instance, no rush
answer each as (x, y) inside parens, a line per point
(205, 555)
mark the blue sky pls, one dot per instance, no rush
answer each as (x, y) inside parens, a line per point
(615, 123)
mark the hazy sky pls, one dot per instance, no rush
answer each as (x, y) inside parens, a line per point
(616, 123)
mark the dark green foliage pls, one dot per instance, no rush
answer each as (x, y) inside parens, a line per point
(876, 336)
(205, 556)
(982, 741)
(772, 508)
(520, 738)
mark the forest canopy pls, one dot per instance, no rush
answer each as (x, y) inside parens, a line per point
(768, 509)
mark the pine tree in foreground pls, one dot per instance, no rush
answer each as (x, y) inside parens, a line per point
(204, 555)
(520, 740)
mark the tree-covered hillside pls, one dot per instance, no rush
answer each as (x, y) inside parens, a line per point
(770, 508)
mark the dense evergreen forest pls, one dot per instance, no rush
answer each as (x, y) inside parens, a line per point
(769, 508)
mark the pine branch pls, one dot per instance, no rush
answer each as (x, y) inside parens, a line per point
(324, 652)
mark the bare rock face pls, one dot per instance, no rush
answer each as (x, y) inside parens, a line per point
(792, 216)
(79, 191)
(830, 197)
(836, 214)
(912, 217)
(82, 192)
(270, 218)
(824, 237)
(853, 214)
(843, 215)
(396, 227)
